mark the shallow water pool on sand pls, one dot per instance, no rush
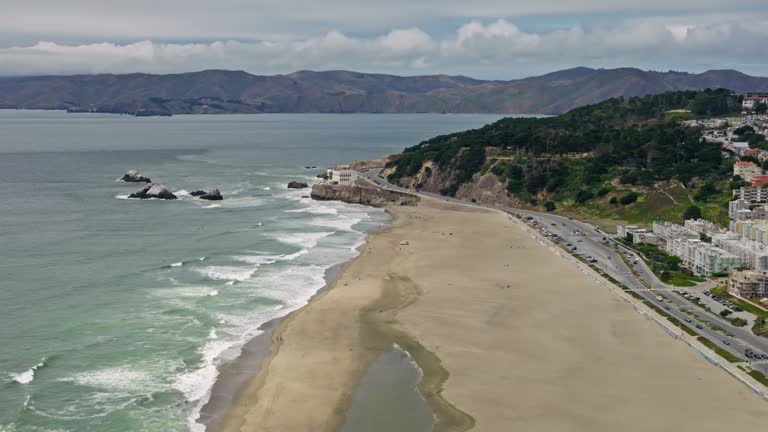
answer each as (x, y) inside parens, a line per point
(387, 398)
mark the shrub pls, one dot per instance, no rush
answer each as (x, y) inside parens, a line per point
(613, 201)
(550, 206)
(583, 196)
(629, 198)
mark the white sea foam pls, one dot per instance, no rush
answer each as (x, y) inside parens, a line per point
(120, 378)
(177, 264)
(266, 188)
(228, 273)
(28, 375)
(214, 292)
(123, 197)
(341, 222)
(315, 209)
(182, 192)
(210, 206)
(306, 240)
(230, 283)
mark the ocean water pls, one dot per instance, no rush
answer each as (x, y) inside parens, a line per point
(115, 313)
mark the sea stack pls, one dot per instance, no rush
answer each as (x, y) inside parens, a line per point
(297, 185)
(134, 176)
(154, 190)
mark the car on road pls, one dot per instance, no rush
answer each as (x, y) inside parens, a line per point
(666, 307)
(726, 342)
(699, 326)
(687, 320)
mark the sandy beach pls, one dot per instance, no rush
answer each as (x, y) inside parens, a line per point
(508, 335)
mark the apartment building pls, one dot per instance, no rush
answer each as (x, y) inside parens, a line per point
(746, 170)
(751, 195)
(748, 283)
(667, 233)
(753, 255)
(709, 260)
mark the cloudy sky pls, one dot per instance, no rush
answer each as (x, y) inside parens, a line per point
(492, 39)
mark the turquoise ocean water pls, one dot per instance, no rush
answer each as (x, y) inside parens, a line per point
(115, 313)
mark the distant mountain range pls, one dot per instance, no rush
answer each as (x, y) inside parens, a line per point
(219, 91)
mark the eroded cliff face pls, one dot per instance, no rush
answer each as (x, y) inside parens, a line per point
(484, 188)
(358, 194)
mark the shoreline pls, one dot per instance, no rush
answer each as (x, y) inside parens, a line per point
(235, 374)
(380, 336)
(455, 300)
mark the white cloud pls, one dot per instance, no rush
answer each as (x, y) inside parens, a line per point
(497, 49)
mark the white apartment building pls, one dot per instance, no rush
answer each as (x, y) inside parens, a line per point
(751, 195)
(755, 230)
(667, 232)
(739, 210)
(753, 255)
(704, 226)
(709, 260)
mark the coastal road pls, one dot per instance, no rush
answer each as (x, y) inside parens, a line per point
(599, 245)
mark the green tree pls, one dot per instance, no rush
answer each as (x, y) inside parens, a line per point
(692, 212)
(666, 276)
(706, 192)
(761, 108)
(550, 206)
(744, 130)
(613, 201)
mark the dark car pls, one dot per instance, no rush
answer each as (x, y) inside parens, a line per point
(698, 326)
(687, 320)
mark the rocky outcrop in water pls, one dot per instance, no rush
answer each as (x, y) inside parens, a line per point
(212, 195)
(297, 185)
(134, 176)
(154, 190)
(357, 194)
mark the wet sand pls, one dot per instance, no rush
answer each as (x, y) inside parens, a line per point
(509, 338)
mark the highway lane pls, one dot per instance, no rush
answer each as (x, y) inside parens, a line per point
(589, 241)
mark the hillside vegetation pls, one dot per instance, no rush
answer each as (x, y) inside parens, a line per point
(624, 158)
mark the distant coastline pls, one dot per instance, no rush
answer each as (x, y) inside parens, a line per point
(237, 92)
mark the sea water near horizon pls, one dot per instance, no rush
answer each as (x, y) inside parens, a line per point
(115, 313)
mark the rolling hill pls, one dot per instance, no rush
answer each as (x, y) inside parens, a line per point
(219, 91)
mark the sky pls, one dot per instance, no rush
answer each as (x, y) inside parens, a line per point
(488, 39)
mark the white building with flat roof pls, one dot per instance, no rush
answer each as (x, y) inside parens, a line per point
(667, 232)
(344, 176)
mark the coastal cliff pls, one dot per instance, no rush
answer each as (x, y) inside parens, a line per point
(357, 194)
